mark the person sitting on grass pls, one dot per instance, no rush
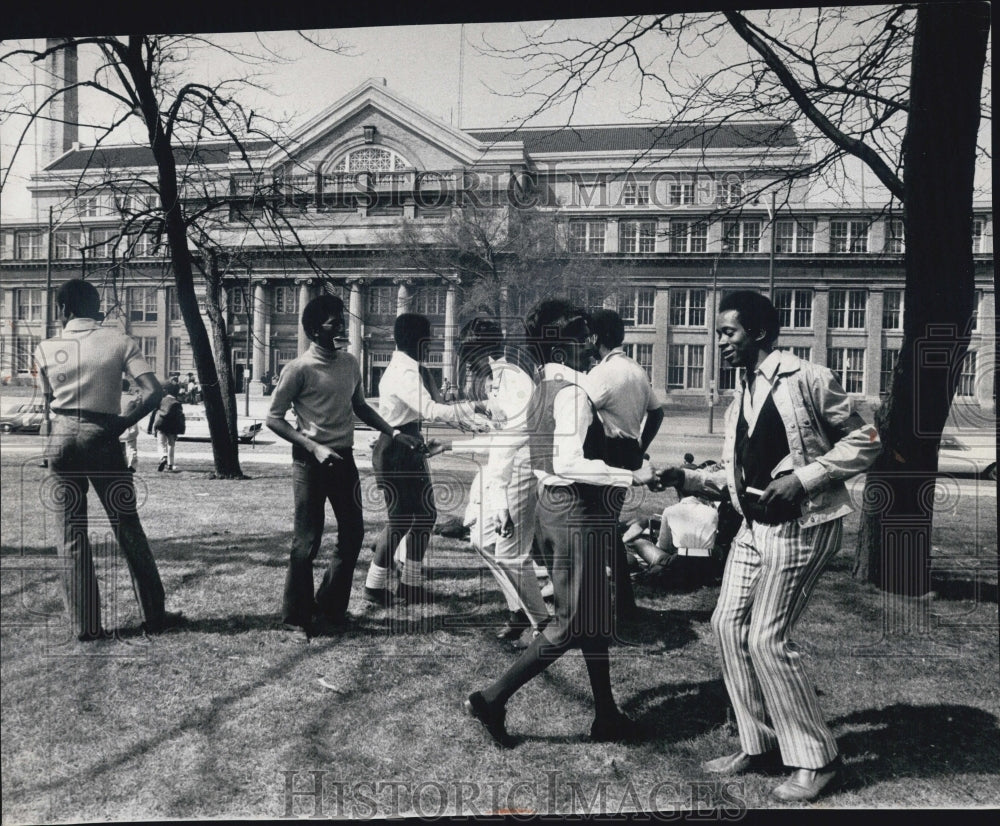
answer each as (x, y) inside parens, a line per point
(323, 387)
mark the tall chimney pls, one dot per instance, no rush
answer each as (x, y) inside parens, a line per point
(61, 121)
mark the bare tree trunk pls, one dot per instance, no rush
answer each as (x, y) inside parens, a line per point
(949, 51)
(224, 450)
(220, 343)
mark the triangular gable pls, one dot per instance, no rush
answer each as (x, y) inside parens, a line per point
(373, 99)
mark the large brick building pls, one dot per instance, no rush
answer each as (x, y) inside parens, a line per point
(668, 211)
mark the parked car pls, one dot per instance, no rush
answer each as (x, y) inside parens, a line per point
(970, 453)
(196, 427)
(26, 417)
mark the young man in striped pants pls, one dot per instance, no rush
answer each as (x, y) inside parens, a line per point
(792, 438)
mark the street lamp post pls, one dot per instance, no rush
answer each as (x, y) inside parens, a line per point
(712, 347)
(770, 257)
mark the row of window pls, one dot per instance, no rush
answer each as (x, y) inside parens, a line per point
(744, 236)
(688, 307)
(69, 244)
(678, 194)
(24, 348)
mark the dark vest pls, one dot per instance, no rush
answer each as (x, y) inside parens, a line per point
(542, 427)
(757, 454)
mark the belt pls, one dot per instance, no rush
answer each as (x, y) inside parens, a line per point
(86, 415)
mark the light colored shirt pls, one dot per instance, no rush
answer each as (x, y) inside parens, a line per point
(573, 415)
(318, 386)
(622, 393)
(763, 381)
(403, 398)
(82, 367)
(509, 401)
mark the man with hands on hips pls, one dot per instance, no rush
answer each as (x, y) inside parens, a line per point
(323, 386)
(791, 440)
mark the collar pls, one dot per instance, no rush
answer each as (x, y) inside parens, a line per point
(618, 351)
(405, 360)
(322, 352)
(553, 371)
(80, 325)
(769, 366)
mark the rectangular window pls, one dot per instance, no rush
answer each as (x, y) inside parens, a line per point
(978, 229)
(586, 236)
(637, 236)
(102, 242)
(892, 310)
(727, 376)
(24, 352)
(688, 236)
(87, 206)
(66, 244)
(141, 303)
(431, 300)
(635, 194)
(173, 308)
(967, 378)
(173, 355)
(645, 304)
(626, 307)
(974, 323)
(381, 301)
(730, 192)
(28, 305)
(687, 308)
(741, 236)
(236, 297)
(794, 308)
(286, 300)
(804, 353)
(593, 194)
(686, 367)
(681, 194)
(894, 236)
(794, 236)
(848, 365)
(890, 357)
(849, 236)
(29, 246)
(148, 347)
(644, 356)
(847, 309)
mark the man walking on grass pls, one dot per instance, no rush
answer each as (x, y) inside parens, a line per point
(323, 387)
(81, 373)
(792, 438)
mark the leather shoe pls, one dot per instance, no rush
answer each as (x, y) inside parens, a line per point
(324, 626)
(517, 623)
(93, 636)
(614, 728)
(808, 784)
(298, 633)
(380, 596)
(740, 763)
(492, 718)
(171, 619)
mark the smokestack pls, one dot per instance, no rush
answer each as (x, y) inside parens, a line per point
(61, 122)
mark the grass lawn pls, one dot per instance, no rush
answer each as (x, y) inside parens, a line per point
(229, 715)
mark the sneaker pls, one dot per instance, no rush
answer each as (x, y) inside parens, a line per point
(162, 465)
(493, 719)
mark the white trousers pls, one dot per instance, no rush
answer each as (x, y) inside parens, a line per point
(166, 441)
(768, 579)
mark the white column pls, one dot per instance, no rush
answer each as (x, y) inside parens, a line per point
(448, 366)
(259, 342)
(354, 321)
(986, 357)
(305, 294)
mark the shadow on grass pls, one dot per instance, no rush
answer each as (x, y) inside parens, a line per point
(918, 741)
(954, 586)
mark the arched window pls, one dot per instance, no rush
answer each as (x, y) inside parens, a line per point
(371, 159)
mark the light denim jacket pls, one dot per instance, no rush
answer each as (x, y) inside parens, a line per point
(828, 441)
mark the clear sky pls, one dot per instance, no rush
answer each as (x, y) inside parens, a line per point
(419, 62)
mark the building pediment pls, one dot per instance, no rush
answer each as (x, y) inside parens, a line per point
(373, 117)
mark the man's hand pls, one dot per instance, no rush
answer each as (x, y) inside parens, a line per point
(412, 442)
(504, 524)
(646, 475)
(324, 455)
(785, 489)
(120, 425)
(477, 424)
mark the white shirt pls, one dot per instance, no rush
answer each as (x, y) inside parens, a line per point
(403, 398)
(509, 402)
(573, 415)
(82, 366)
(622, 393)
(753, 402)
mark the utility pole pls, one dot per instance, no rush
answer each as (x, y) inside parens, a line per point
(248, 306)
(712, 346)
(770, 257)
